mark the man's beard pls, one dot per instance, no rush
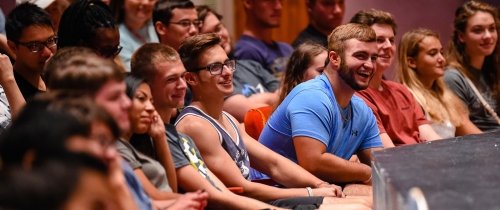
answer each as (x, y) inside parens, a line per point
(347, 75)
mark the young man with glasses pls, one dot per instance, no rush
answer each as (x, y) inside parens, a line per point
(32, 38)
(227, 149)
(175, 20)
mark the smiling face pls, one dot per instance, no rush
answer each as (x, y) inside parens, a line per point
(358, 63)
(138, 10)
(316, 67)
(429, 63)
(169, 87)
(480, 36)
(385, 44)
(207, 84)
(142, 110)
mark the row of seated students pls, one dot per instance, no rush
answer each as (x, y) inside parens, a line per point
(217, 154)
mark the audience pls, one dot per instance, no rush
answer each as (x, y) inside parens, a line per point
(399, 117)
(135, 24)
(324, 16)
(227, 149)
(421, 67)
(77, 125)
(83, 112)
(256, 42)
(474, 62)
(163, 70)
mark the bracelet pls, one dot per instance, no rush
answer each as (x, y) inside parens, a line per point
(309, 191)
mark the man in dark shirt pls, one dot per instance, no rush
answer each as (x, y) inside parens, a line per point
(32, 38)
(324, 16)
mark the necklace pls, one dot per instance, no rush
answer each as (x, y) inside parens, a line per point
(345, 114)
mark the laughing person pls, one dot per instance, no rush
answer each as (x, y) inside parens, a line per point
(320, 124)
(399, 117)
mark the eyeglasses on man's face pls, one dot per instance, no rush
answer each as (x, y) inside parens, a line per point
(37, 46)
(188, 23)
(217, 68)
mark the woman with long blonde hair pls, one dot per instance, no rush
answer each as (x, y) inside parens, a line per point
(474, 62)
(421, 67)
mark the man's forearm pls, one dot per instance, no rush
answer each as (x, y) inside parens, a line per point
(337, 170)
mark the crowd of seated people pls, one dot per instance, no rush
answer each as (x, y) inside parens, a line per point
(128, 104)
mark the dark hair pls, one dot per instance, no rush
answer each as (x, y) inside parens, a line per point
(81, 20)
(194, 46)
(459, 59)
(62, 56)
(117, 10)
(298, 63)
(83, 74)
(144, 59)
(373, 16)
(46, 186)
(132, 83)
(164, 8)
(23, 16)
(83, 108)
(42, 131)
(204, 10)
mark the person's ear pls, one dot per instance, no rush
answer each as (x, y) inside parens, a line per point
(161, 28)
(191, 78)
(461, 37)
(334, 59)
(12, 46)
(412, 63)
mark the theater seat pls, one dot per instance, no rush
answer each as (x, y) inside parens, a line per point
(255, 120)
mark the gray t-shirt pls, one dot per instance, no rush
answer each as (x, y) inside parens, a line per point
(153, 170)
(477, 113)
(251, 78)
(184, 152)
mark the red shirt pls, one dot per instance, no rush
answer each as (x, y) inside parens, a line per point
(397, 112)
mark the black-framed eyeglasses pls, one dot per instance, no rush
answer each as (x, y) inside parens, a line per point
(217, 68)
(37, 46)
(110, 52)
(188, 23)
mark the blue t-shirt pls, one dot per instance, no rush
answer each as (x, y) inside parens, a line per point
(273, 57)
(142, 200)
(311, 110)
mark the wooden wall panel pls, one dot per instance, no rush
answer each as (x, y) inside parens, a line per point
(293, 20)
